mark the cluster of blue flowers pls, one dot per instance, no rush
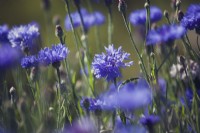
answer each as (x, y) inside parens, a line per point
(89, 19)
(46, 56)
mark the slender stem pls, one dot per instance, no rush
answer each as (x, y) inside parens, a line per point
(77, 47)
(198, 42)
(135, 47)
(110, 26)
(166, 58)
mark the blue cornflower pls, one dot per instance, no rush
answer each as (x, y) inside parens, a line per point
(165, 34)
(138, 17)
(29, 61)
(82, 125)
(56, 54)
(108, 65)
(137, 95)
(4, 33)
(149, 121)
(24, 36)
(90, 19)
(120, 127)
(191, 19)
(8, 56)
(91, 104)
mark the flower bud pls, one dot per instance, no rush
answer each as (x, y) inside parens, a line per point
(59, 31)
(122, 6)
(180, 15)
(46, 4)
(166, 14)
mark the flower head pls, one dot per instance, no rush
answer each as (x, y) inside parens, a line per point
(8, 56)
(89, 19)
(82, 125)
(108, 65)
(137, 95)
(29, 61)
(23, 36)
(165, 34)
(138, 17)
(57, 53)
(4, 33)
(191, 19)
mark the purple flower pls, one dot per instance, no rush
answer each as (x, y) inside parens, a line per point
(165, 34)
(138, 17)
(108, 65)
(83, 125)
(8, 56)
(91, 104)
(137, 95)
(57, 53)
(29, 61)
(4, 33)
(24, 36)
(89, 19)
(149, 121)
(120, 127)
(191, 19)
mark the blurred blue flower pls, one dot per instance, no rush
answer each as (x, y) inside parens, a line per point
(149, 120)
(82, 125)
(8, 56)
(24, 36)
(29, 61)
(108, 65)
(187, 99)
(57, 53)
(165, 34)
(90, 19)
(138, 17)
(120, 127)
(4, 33)
(137, 95)
(91, 104)
(191, 19)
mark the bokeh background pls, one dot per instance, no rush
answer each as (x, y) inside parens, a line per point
(16, 12)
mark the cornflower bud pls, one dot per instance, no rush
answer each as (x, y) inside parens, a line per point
(122, 6)
(59, 31)
(180, 15)
(13, 93)
(77, 2)
(46, 4)
(108, 2)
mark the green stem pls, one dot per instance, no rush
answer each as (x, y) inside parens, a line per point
(135, 47)
(77, 47)
(110, 26)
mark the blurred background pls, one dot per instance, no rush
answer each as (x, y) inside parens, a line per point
(16, 12)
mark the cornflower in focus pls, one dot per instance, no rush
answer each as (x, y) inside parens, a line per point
(54, 55)
(108, 65)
